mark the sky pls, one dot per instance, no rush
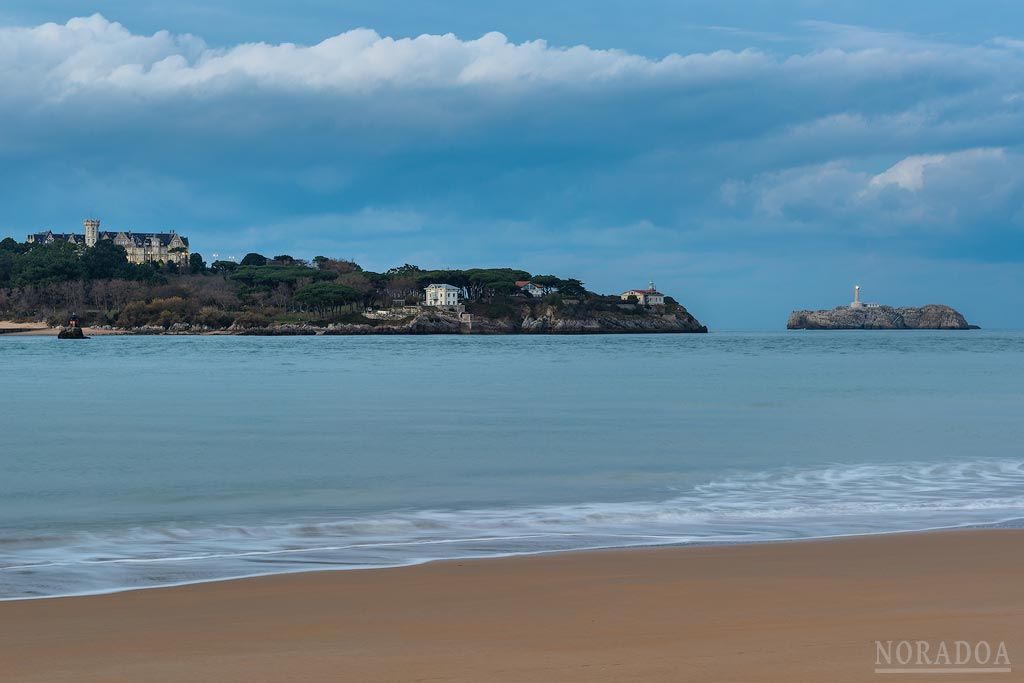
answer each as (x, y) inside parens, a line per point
(748, 157)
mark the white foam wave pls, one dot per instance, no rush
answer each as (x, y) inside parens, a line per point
(778, 505)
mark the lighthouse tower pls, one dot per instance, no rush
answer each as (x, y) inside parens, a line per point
(856, 298)
(92, 231)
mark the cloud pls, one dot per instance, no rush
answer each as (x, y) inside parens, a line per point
(971, 192)
(908, 173)
(95, 54)
(1011, 43)
(488, 150)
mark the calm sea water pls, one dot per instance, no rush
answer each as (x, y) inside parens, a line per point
(129, 462)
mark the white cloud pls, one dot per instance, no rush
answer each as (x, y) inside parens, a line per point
(95, 55)
(94, 52)
(907, 173)
(1011, 43)
(912, 172)
(959, 190)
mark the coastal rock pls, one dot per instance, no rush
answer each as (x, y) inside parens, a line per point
(930, 317)
(278, 331)
(604, 322)
(527, 320)
(148, 330)
(547, 321)
(424, 323)
(71, 333)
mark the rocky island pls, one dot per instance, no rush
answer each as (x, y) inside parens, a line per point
(862, 316)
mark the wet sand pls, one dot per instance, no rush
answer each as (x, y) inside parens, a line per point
(785, 612)
(13, 329)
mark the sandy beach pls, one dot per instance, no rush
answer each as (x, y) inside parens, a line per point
(803, 611)
(38, 329)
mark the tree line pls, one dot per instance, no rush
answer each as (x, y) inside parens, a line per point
(50, 280)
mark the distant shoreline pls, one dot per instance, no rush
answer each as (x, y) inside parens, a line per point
(423, 324)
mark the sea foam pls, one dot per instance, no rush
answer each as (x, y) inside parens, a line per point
(780, 504)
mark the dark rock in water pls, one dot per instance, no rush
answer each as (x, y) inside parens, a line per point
(71, 333)
(277, 331)
(930, 317)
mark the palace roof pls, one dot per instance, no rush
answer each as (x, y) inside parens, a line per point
(139, 239)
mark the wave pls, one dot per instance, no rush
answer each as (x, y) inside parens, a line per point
(784, 504)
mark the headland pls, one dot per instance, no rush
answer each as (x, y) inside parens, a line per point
(125, 283)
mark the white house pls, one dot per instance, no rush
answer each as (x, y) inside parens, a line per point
(646, 297)
(442, 295)
(533, 290)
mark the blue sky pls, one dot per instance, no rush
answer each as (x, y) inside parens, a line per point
(749, 157)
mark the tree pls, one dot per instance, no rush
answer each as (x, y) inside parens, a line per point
(571, 287)
(505, 287)
(254, 259)
(8, 244)
(376, 280)
(269, 277)
(48, 263)
(106, 260)
(548, 282)
(455, 278)
(224, 267)
(284, 259)
(196, 264)
(406, 269)
(326, 297)
(491, 281)
(7, 260)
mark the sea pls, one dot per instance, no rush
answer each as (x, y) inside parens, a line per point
(130, 462)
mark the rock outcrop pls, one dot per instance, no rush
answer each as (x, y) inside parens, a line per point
(930, 317)
(552, 321)
(548, 320)
(71, 333)
(528, 319)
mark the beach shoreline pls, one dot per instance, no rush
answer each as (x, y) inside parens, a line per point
(10, 328)
(796, 611)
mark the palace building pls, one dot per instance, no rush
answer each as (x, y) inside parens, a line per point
(142, 247)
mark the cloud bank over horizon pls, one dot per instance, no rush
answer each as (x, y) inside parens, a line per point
(745, 181)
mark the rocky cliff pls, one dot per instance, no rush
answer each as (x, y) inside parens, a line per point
(551, 321)
(548, 320)
(930, 317)
(525, 318)
(531, 320)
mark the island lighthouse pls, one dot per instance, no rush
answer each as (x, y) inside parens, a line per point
(856, 298)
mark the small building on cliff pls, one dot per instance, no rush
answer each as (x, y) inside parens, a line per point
(527, 287)
(442, 296)
(645, 297)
